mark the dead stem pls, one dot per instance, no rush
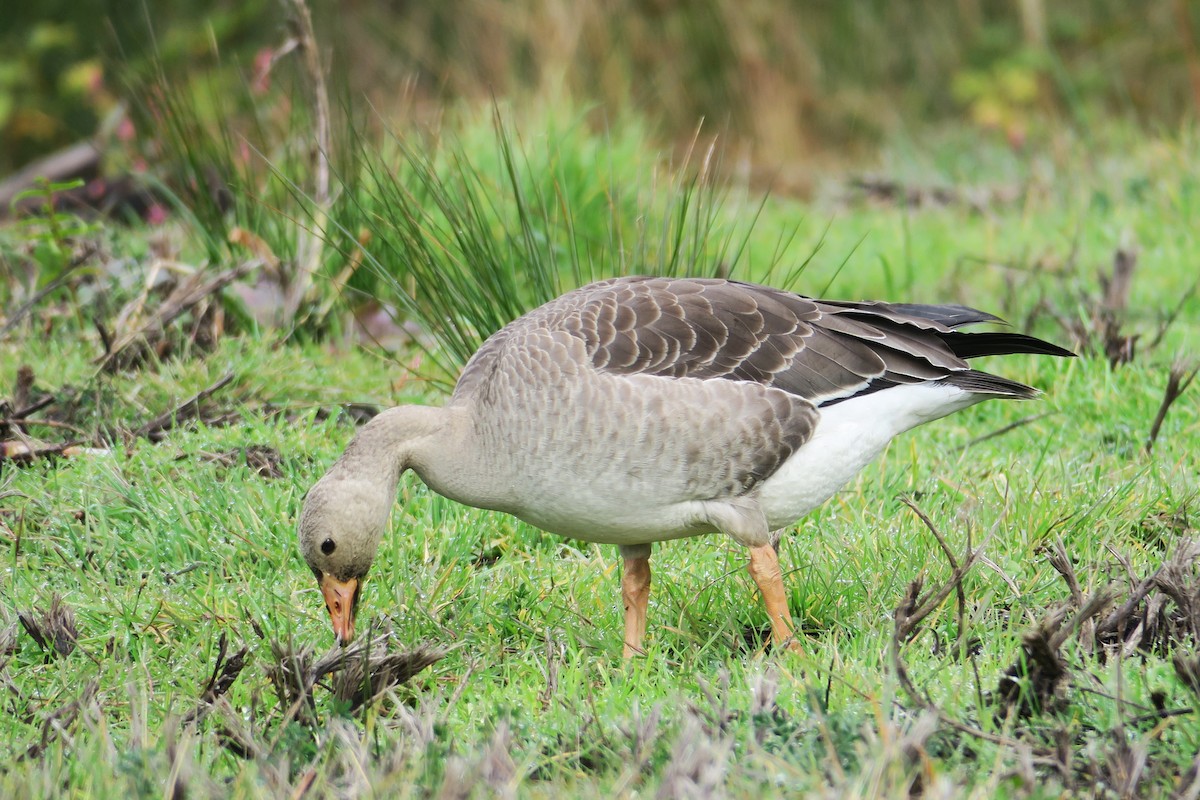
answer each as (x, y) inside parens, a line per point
(310, 239)
(155, 428)
(1179, 378)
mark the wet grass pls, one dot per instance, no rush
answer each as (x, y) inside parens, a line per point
(169, 596)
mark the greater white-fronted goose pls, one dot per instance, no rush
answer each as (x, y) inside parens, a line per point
(637, 410)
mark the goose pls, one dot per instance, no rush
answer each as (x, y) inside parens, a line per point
(644, 409)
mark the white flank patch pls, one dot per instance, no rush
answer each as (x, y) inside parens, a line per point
(849, 436)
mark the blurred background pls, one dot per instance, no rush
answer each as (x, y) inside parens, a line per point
(791, 87)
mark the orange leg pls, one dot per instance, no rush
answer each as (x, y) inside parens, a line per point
(635, 593)
(764, 568)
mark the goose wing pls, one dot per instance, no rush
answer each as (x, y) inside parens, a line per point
(819, 351)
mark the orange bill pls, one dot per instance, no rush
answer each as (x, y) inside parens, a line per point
(340, 598)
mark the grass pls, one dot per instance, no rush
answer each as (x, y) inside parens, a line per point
(474, 230)
(160, 550)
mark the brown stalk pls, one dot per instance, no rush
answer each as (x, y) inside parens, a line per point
(1061, 561)
(191, 292)
(225, 672)
(189, 408)
(308, 249)
(955, 569)
(924, 606)
(914, 608)
(1179, 378)
(53, 630)
(1110, 310)
(59, 721)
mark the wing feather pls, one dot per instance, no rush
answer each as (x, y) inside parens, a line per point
(707, 328)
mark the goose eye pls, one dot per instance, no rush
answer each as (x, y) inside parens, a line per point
(328, 546)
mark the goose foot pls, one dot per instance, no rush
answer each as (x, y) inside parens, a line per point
(764, 568)
(635, 594)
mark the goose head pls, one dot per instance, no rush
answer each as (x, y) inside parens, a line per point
(343, 520)
(346, 512)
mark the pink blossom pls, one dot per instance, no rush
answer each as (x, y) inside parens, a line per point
(263, 61)
(156, 214)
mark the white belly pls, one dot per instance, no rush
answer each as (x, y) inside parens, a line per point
(849, 436)
(606, 522)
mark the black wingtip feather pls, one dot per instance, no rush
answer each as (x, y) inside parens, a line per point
(1002, 343)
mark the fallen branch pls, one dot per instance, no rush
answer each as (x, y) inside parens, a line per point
(888, 190)
(188, 409)
(73, 161)
(26, 452)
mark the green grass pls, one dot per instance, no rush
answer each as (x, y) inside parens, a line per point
(160, 551)
(469, 232)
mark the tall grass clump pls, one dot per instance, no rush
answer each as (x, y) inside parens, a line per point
(472, 229)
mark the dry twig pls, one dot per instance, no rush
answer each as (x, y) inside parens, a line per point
(1179, 378)
(130, 346)
(225, 672)
(59, 721)
(155, 428)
